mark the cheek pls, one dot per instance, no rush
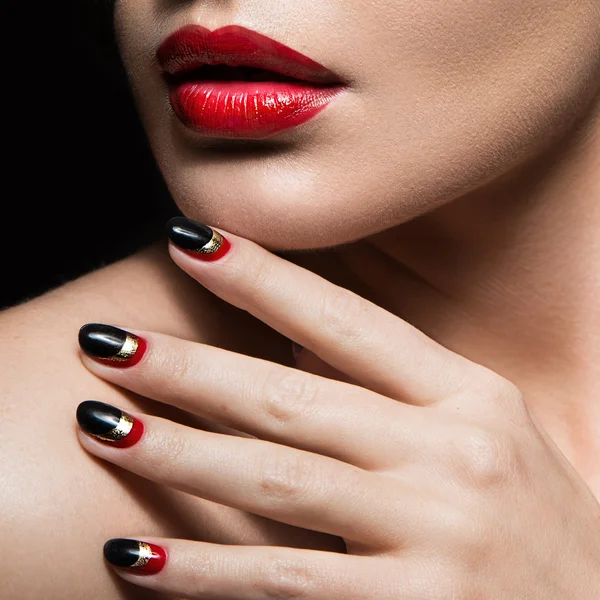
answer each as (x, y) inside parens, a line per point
(457, 92)
(510, 69)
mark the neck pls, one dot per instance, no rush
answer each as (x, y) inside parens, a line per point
(510, 277)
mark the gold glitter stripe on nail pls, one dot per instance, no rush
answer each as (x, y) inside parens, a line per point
(145, 555)
(123, 429)
(128, 349)
(216, 241)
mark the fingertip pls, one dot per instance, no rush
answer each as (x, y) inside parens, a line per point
(109, 424)
(197, 240)
(139, 557)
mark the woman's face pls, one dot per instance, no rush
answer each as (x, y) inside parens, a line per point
(440, 97)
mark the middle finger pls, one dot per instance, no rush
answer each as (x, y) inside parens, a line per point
(267, 400)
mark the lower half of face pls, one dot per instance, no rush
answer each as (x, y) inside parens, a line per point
(411, 105)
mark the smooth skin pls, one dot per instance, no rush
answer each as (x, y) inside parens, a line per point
(59, 503)
(419, 475)
(443, 97)
(483, 118)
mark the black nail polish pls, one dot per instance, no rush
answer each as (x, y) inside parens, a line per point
(188, 234)
(109, 424)
(143, 557)
(112, 345)
(197, 239)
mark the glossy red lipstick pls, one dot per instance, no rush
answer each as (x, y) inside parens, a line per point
(237, 83)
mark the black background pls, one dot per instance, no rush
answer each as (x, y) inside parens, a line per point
(81, 187)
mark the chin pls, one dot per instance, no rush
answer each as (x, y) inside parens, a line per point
(282, 218)
(307, 125)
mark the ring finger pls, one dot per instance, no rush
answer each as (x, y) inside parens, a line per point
(264, 399)
(277, 482)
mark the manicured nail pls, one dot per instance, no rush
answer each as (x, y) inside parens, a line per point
(109, 424)
(111, 345)
(140, 557)
(196, 239)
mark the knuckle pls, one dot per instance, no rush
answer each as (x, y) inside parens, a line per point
(288, 580)
(285, 477)
(488, 458)
(500, 391)
(511, 398)
(288, 395)
(508, 393)
(341, 312)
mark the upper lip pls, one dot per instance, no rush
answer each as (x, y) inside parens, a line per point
(193, 46)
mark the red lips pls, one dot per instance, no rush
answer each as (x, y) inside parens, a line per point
(237, 83)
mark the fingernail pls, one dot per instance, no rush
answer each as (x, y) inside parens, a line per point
(140, 557)
(111, 345)
(109, 424)
(196, 239)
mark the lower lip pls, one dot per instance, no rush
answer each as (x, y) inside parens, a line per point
(247, 110)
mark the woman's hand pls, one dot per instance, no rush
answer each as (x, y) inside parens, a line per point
(429, 466)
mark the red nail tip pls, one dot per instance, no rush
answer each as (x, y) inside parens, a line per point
(220, 253)
(133, 437)
(137, 357)
(156, 563)
(142, 346)
(109, 424)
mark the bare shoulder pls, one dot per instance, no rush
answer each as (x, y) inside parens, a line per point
(57, 504)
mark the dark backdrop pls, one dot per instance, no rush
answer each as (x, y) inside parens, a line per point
(81, 187)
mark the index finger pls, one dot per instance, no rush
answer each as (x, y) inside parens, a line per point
(352, 334)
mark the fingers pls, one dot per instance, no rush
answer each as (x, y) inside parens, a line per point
(218, 572)
(264, 399)
(355, 336)
(277, 482)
